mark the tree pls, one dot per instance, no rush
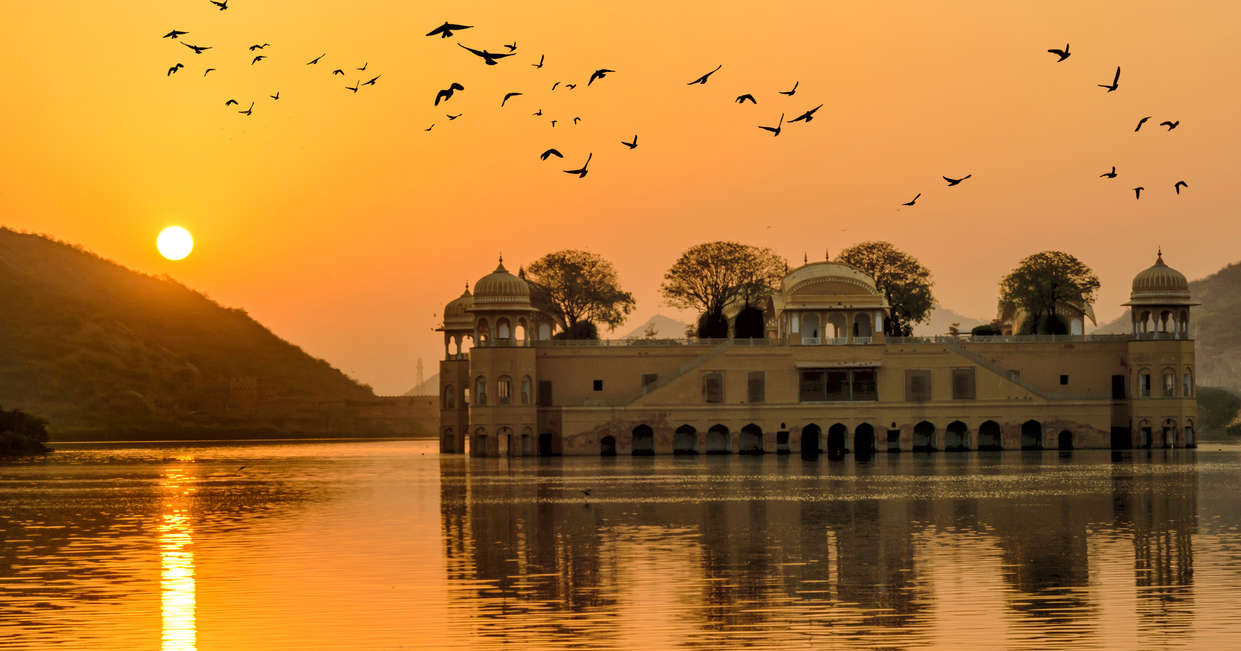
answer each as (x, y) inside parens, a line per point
(21, 434)
(709, 277)
(1041, 283)
(579, 286)
(902, 280)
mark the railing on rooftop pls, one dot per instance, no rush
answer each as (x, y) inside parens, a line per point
(1005, 339)
(856, 341)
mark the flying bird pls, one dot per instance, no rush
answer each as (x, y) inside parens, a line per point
(540, 63)
(952, 182)
(631, 145)
(790, 91)
(553, 124)
(453, 117)
(257, 59)
(430, 127)
(581, 172)
(703, 79)
(198, 49)
(1140, 123)
(1137, 192)
(175, 68)
(447, 29)
(1063, 54)
(572, 86)
(742, 99)
(507, 96)
(598, 74)
(1170, 124)
(354, 87)
(1109, 175)
(207, 70)
(576, 120)
(555, 85)
(231, 101)
(364, 64)
(446, 94)
(488, 57)
(258, 46)
(807, 116)
(276, 96)
(248, 111)
(551, 152)
(1115, 82)
(511, 47)
(912, 201)
(538, 113)
(221, 5)
(371, 81)
(316, 59)
(1179, 185)
(338, 71)
(775, 131)
(175, 33)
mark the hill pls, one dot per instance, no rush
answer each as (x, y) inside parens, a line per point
(662, 326)
(1215, 325)
(941, 319)
(101, 351)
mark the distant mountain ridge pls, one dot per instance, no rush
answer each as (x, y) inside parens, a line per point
(941, 319)
(99, 350)
(662, 327)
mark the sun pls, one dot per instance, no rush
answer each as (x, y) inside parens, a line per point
(174, 243)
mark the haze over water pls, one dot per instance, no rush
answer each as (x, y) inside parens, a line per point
(380, 545)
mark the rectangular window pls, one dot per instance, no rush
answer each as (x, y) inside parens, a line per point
(1118, 387)
(756, 386)
(545, 393)
(649, 378)
(597, 385)
(1144, 385)
(864, 384)
(837, 385)
(1064, 379)
(713, 387)
(1187, 390)
(813, 386)
(917, 385)
(963, 384)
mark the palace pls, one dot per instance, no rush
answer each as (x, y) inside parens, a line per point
(823, 377)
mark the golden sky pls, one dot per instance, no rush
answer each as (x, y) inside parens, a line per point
(336, 220)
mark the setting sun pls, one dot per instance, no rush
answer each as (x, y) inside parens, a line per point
(174, 243)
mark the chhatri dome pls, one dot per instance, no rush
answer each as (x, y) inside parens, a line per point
(456, 312)
(1160, 284)
(501, 288)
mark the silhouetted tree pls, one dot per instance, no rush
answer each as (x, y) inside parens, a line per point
(579, 330)
(1041, 283)
(749, 324)
(575, 286)
(710, 276)
(902, 280)
(21, 434)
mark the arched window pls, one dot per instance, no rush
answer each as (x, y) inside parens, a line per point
(525, 390)
(519, 333)
(1169, 383)
(545, 332)
(1187, 387)
(810, 325)
(484, 332)
(1144, 384)
(504, 389)
(480, 391)
(450, 399)
(503, 331)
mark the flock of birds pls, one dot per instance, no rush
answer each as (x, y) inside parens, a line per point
(449, 29)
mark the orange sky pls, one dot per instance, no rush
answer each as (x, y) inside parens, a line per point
(334, 219)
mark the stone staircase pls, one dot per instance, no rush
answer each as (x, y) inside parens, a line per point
(697, 362)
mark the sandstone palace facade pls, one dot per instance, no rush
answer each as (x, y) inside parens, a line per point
(823, 379)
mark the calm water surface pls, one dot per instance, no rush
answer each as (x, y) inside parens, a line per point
(382, 545)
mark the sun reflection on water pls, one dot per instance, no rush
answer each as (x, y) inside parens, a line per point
(177, 569)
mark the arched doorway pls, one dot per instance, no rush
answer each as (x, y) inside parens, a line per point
(607, 446)
(836, 440)
(504, 442)
(956, 436)
(1031, 435)
(685, 440)
(643, 441)
(924, 437)
(1065, 440)
(864, 440)
(479, 448)
(810, 437)
(717, 440)
(545, 445)
(527, 444)
(989, 436)
(751, 440)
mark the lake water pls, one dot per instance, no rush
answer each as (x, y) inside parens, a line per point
(386, 545)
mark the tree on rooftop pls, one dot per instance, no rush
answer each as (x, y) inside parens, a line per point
(1041, 283)
(579, 286)
(902, 280)
(709, 277)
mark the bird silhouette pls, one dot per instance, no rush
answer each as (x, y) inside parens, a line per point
(453, 117)
(807, 116)
(581, 172)
(231, 101)
(1170, 124)
(276, 96)
(430, 127)
(489, 58)
(555, 85)
(512, 47)
(371, 81)
(338, 71)
(1140, 123)
(912, 201)
(221, 5)
(551, 152)
(742, 99)
(1063, 54)
(507, 96)
(364, 64)
(1180, 184)
(198, 49)
(316, 59)
(248, 111)
(703, 79)
(175, 68)
(207, 70)
(258, 46)
(446, 94)
(576, 120)
(1115, 82)
(1137, 192)
(572, 86)
(775, 131)
(447, 29)
(952, 182)
(175, 33)
(631, 145)
(354, 87)
(257, 59)
(540, 63)
(598, 74)
(790, 91)
(553, 124)
(1109, 175)
(538, 113)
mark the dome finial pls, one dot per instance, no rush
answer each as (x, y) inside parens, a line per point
(500, 267)
(1159, 256)
(805, 258)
